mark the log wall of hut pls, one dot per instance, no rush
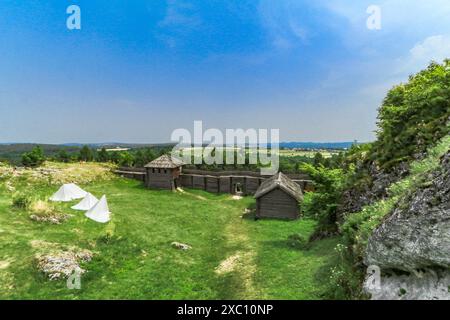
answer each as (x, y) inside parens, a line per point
(186, 181)
(198, 182)
(160, 179)
(132, 173)
(277, 204)
(222, 184)
(215, 182)
(225, 184)
(212, 184)
(252, 184)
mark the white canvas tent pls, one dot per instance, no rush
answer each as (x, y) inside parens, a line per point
(68, 192)
(87, 203)
(99, 212)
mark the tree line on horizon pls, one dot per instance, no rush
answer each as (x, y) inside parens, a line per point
(132, 158)
(140, 157)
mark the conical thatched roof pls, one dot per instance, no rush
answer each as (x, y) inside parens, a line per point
(284, 183)
(165, 162)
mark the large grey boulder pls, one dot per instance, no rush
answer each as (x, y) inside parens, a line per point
(417, 233)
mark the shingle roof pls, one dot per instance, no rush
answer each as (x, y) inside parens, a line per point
(166, 162)
(284, 183)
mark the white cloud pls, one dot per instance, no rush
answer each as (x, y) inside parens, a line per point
(179, 19)
(434, 48)
(179, 14)
(403, 22)
(281, 21)
(412, 15)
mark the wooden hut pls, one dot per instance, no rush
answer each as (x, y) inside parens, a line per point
(164, 173)
(278, 197)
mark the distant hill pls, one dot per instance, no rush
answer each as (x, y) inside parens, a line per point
(316, 145)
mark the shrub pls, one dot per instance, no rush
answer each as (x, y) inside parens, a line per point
(34, 158)
(298, 241)
(108, 235)
(102, 155)
(86, 154)
(21, 200)
(413, 116)
(126, 159)
(323, 203)
(345, 280)
(42, 208)
(44, 211)
(63, 156)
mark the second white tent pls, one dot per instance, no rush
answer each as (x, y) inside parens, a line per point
(87, 203)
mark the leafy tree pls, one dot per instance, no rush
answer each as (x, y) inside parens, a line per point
(140, 159)
(163, 151)
(150, 155)
(318, 159)
(114, 157)
(86, 154)
(323, 203)
(63, 156)
(33, 158)
(126, 159)
(102, 155)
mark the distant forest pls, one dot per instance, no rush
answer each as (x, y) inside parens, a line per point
(139, 155)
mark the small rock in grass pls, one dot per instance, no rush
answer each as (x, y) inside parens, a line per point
(180, 246)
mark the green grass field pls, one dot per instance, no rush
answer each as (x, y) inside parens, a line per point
(231, 258)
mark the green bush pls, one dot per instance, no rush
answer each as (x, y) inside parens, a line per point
(21, 200)
(413, 116)
(345, 280)
(108, 236)
(86, 154)
(63, 156)
(34, 158)
(324, 202)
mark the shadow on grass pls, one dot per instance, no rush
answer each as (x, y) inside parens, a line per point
(249, 215)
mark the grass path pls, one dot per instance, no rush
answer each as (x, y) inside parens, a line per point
(240, 262)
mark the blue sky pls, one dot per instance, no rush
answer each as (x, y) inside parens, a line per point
(139, 69)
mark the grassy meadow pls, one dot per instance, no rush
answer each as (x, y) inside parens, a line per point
(232, 256)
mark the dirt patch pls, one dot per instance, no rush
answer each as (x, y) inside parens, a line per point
(194, 195)
(9, 186)
(4, 264)
(229, 264)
